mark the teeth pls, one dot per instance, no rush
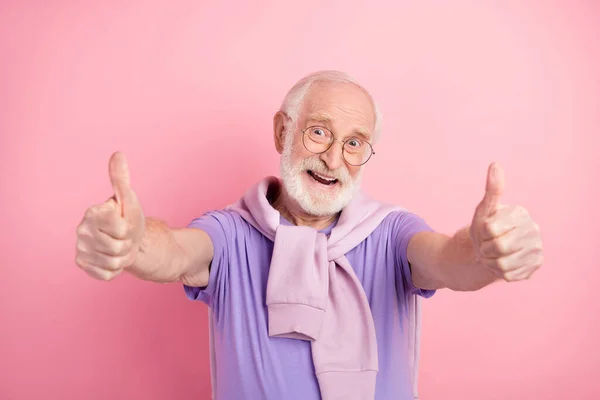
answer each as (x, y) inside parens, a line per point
(322, 177)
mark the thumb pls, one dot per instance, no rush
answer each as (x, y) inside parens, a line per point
(494, 187)
(120, 180)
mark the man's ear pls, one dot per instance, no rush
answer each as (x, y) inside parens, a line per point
(279, 132)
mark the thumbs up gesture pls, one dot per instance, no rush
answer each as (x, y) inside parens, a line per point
(505, 238)
(110, 234)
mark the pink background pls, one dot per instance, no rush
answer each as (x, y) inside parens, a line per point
(187, 90)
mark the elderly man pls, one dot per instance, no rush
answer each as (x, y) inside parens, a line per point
(309, 281)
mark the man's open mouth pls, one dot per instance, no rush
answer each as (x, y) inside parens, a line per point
(322, 179)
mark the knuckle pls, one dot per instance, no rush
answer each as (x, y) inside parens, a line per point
(113, 264)
(104, 275)
(510, 276)
(91, 212)
(499, 245)
(83, 230)
(79, 261)
(110, 275)
(502, 264)
(81, 247)
(488, 228)
(80, 229)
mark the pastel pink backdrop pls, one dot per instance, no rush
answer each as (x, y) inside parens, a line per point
(187, 90)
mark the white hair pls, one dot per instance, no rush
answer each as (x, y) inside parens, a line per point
(294, 99)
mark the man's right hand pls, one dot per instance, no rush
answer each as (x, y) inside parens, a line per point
(110, 234)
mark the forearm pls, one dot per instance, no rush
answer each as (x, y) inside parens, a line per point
(170, 255)
(457, 266)
(159, 258)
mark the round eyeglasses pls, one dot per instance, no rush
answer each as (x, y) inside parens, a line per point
(355, 150)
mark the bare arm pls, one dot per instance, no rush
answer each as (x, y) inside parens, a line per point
(502, 242)
(439, 261)
(170, 255)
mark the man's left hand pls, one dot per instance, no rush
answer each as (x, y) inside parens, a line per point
(505, 238)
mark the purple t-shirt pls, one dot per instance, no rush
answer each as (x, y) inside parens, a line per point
(250, 364)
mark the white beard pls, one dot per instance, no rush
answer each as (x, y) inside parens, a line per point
(315, 202)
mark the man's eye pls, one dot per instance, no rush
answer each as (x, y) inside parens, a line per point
(354, 143)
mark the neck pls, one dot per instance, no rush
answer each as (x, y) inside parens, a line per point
(293, 213)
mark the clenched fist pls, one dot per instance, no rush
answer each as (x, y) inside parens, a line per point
(505, 238)
(110, 234)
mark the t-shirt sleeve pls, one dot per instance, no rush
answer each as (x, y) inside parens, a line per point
(218, 226)
(404, 226)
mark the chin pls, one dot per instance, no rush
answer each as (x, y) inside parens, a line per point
(319, 194)
(315, 197)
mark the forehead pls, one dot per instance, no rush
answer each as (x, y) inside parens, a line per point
(340, 104)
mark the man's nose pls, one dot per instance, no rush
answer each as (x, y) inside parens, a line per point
(334, 157)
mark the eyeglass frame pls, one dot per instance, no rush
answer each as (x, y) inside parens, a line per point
(343, 142)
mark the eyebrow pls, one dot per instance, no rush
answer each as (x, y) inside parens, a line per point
(319, 117)
(325, 118)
